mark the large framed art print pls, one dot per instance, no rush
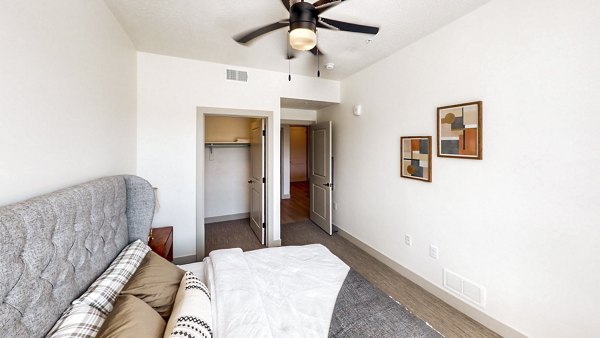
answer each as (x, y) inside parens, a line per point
(459, 130)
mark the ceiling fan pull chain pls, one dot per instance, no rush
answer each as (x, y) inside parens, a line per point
(289, 60)
(318, 63)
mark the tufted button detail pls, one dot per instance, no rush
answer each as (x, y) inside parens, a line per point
(46, 262)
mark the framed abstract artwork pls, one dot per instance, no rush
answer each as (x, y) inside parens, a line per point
(459, 131)
(416, 157)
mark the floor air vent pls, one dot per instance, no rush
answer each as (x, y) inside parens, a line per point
(464, 288)
(237, 75)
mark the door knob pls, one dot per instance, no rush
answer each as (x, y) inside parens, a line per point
(249, 181)
(328, 184)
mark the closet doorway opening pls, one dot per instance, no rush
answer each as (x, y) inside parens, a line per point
(234, 182)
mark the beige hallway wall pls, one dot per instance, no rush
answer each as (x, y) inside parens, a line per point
(298, 154)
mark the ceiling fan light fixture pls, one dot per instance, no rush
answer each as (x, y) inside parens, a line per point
(303, 39)
(304, 18)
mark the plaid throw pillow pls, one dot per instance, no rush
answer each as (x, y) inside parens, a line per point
(78, 321)
(192, 314)
(103, 293)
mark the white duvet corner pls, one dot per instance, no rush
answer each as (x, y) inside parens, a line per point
(275, 292)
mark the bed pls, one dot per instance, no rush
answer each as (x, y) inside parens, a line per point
(55, 246)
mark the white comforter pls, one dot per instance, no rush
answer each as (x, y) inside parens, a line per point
(276, 292)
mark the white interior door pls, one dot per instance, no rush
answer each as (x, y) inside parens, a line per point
(320, 172)
(257, 179)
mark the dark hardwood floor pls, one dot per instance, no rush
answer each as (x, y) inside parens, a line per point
(295, 209)
(441, 316)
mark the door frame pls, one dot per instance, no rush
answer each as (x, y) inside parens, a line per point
(258, 184)
(271, 172)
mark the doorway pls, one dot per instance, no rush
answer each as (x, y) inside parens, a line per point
(234, 176)
(295, 203)
(306, 150)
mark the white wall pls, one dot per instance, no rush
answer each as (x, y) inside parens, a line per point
(523, 222)
(169, 92)
(67, 96)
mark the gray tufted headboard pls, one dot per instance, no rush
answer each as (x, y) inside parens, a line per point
(54, 246)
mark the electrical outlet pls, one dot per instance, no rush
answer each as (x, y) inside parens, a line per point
(335, 206)
(408, 240)
(433, 251)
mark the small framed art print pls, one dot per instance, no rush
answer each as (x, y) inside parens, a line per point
(416, 157)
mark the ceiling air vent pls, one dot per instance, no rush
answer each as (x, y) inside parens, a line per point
(237, 75)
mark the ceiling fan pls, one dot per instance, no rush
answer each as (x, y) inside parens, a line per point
(303, 22)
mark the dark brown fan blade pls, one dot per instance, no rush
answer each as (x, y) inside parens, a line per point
(323, 5)
(286, 3)
(325, 2)
(346, 26)
(248, 36)
(314, 51)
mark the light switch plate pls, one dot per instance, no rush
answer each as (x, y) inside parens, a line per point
(434, 252)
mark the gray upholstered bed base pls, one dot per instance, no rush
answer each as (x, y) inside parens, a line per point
(54, 246)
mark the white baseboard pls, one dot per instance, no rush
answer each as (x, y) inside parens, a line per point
(470, 311)
(274, 243)
(225, 218)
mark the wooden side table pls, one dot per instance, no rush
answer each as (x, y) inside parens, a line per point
(161, 242)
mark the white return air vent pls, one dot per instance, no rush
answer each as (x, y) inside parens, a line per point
(464, 288)
(237, 75)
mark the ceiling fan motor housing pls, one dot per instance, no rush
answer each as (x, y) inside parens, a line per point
(303, 15)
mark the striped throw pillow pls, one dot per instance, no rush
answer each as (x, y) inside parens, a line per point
(192, 314)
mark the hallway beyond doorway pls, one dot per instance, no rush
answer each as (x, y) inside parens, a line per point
(296, 208)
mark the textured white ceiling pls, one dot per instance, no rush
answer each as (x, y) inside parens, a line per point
(203, 30)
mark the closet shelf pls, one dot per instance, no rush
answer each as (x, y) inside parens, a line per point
(226, 144)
